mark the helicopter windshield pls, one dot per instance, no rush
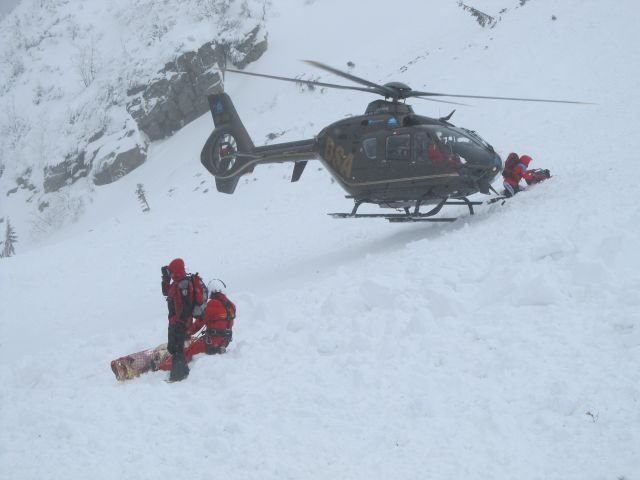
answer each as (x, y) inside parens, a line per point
(434, 141)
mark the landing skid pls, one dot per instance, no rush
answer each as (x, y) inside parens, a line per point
(409, 215)
(393, 217)
(497, 199)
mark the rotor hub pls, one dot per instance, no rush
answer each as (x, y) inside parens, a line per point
(400, 90)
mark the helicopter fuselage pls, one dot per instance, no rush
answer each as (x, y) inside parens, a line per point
(392, 155)
(389, 156)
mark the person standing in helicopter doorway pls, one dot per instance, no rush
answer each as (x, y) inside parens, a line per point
(517, 168)
(180, 300)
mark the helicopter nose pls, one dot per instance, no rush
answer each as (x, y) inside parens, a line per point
(498, 162)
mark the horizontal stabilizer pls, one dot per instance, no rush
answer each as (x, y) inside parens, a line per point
(297, 171)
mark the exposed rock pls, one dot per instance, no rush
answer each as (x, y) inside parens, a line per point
(65, 173)
(122, 164)
(23, 182)
(96, 136)
(177, 95)
(174, 97)
(485, 21)
(250, 49)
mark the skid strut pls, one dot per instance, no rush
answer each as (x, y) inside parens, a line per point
(409, 215)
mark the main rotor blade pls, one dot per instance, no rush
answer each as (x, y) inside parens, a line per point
(381, 88)
(414, 93)
(306, 82)
(389, 92)
(442, 101)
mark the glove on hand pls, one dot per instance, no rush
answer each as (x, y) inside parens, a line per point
(547, 173)
(165, 271)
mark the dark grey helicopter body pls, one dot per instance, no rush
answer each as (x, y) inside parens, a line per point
(389, 156)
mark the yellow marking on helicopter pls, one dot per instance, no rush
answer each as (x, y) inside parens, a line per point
(337, 158)
(403, 180)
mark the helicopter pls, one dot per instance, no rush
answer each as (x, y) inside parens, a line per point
(389, 156)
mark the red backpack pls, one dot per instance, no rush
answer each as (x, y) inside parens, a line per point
(200, 295)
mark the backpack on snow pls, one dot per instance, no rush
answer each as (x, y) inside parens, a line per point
(510, 164)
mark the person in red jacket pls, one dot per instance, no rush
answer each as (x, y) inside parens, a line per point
(517, 168)
(178, 289)
(217, 321)
(435, 153)
(439, 152)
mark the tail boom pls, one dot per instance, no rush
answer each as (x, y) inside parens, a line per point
(230, 153)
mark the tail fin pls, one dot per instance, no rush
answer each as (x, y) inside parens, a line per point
(228, 151)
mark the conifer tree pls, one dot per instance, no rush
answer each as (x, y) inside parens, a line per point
(10, 239)
(142, 198)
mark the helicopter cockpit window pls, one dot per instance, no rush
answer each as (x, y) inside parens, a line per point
(370, 147)
(398, 147)
(458, 144)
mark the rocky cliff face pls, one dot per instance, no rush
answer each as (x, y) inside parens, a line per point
(177, 95)
(157, 108)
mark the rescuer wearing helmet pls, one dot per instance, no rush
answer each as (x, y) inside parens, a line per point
(218, 319)
(517, 168)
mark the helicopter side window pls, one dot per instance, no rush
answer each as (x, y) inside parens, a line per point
(420, 142)
(370, 147)
(398, 147)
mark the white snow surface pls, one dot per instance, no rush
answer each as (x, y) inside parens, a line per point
(505, 345)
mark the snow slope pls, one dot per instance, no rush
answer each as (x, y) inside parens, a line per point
(67, 69)
(6, 6)
(504, 345)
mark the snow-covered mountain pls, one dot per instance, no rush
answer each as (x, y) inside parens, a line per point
(503, 345)
(86, 87)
